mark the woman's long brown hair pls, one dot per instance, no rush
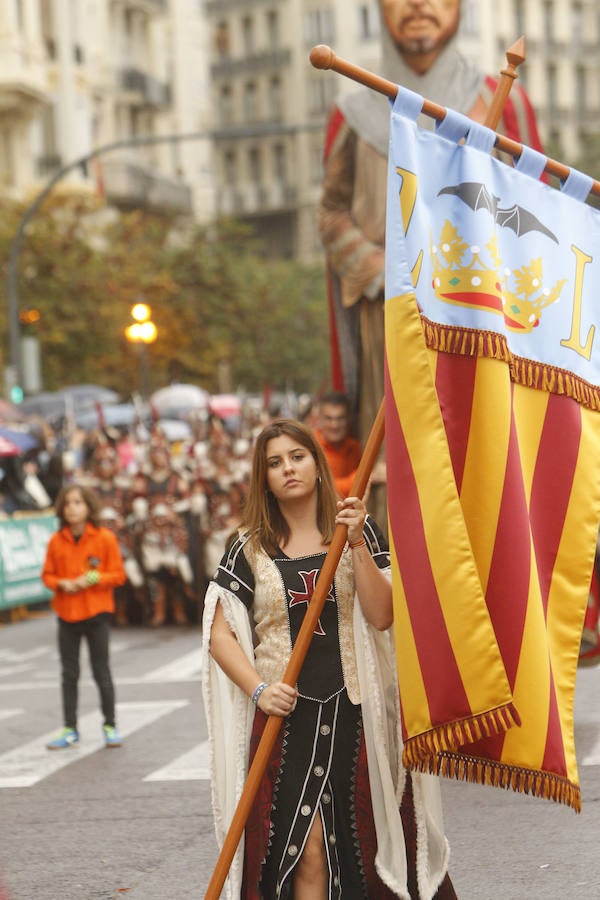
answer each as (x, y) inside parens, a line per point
(262, 516)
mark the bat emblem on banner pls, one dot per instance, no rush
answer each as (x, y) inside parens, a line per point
(517, 218)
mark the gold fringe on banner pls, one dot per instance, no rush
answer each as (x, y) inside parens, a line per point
(452, 735)
(545, 785)
(541, 376)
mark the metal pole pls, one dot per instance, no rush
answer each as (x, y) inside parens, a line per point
(12, 279)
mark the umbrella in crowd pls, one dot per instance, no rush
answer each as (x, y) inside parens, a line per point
(178, 400)
(117, 415)
(70, 400)
(88, 394)
(174, 429)
(13, 442)
(225, 405)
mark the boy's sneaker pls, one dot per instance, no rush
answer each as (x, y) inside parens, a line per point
(112, 738)
(67, 737)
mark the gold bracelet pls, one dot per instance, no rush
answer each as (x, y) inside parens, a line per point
(361, 543)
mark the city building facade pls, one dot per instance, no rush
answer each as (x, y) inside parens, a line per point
(76, 75)
(562, 68)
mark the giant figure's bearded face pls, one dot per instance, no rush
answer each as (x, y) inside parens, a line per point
(421, 26)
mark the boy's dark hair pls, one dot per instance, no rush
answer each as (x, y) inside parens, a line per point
(336, 398)
(89, 498)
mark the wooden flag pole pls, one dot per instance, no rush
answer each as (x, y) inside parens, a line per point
(324, 58)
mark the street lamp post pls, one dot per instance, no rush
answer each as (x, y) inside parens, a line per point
(142, 332)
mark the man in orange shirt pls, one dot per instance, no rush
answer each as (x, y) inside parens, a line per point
(342, 451)
(83, 566)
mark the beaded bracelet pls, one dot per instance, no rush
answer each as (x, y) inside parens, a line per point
(258, 691)
(356, 544)
(92, 577)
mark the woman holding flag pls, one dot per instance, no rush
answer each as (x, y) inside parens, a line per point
(336, 815)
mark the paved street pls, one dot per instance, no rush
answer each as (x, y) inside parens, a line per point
(95, 824)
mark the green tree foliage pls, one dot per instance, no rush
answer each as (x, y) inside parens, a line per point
(214, 296)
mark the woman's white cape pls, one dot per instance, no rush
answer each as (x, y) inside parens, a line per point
(229, 715)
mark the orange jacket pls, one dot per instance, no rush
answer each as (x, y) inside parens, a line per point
(343, 461)
(97, 548)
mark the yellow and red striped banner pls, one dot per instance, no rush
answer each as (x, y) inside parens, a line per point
(493, 495)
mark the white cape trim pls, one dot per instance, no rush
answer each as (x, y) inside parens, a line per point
(229, 716)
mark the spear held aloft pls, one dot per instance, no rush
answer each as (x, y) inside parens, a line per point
(323, 57)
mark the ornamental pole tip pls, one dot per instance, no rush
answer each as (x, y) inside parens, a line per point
(516, 54)
(322, 56)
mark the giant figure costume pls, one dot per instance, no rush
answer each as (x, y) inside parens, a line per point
(352, 207)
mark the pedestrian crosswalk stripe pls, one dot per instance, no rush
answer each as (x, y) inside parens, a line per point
(28, 764)
(13, 656)
(186, 668)
(9, 713)
(190, 766)
(593, 757)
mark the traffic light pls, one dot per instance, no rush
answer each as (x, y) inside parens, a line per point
(16, 393)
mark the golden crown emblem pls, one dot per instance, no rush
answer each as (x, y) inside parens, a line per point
(463, 278)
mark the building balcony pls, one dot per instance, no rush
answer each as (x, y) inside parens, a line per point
(129, 185)
(255, 200)
(258, 62)
(21, 92)
(150, 7)
(145, 90)
(220, 7)
(240, 130)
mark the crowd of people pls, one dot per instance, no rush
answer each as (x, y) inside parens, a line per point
(171, 504)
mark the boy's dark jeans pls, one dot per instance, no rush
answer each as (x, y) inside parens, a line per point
(96, 630)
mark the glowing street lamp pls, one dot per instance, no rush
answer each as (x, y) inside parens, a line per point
(142, 332)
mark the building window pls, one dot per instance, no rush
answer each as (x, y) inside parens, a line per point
(250, 102)
(47, 27)
(280, 163)
(519, 18)
(316, 164)
(254, 167)
(230, 168)
(226, 105)
(368, 21)
(6, 166)
(248, 35)
(222, 39)
(548, 13)
(577, 25)
(580, 90)
(275, 98)
(318, 26)
(321, 92)
(20, 15)
(273, 35)
(551, 85)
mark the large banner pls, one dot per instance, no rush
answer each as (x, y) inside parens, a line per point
(23, 543)
(493, 451)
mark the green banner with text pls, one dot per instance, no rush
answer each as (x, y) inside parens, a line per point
(23, 543)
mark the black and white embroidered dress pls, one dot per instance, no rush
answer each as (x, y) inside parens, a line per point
(335, 757)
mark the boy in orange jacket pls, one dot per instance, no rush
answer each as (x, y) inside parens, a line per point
(83, 565)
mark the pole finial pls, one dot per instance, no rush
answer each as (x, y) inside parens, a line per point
(322, 56)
